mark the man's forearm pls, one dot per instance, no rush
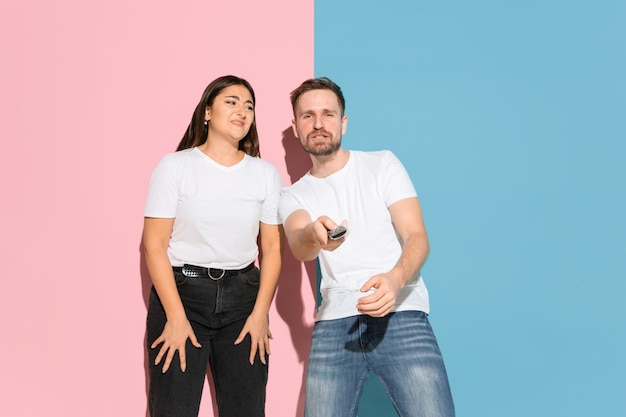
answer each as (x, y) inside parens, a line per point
(302, 244)
(414, 254)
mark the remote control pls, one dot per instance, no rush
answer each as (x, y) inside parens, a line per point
(338, 233)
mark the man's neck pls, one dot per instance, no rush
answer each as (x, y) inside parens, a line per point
(323, 166)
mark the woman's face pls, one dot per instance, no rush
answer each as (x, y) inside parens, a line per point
(231, 114)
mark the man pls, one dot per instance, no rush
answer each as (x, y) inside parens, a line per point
(373, 314)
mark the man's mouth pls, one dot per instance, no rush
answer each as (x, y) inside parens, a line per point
(319, 135)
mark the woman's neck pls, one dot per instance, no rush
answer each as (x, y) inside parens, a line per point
(223, 154)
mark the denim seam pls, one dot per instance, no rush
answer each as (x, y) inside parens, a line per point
(359, 388)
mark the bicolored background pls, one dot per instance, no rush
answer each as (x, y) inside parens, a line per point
(509, 116)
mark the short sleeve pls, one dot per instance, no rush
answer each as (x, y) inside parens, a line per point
(395, 181)
(269, 211)
(288, 204)
(163, 191)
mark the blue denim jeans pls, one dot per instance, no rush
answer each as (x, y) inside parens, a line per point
(217, 311)
(400, 349)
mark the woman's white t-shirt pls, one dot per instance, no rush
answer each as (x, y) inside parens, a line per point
(216, 209)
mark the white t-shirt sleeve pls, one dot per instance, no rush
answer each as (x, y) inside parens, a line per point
(163, 191)
(269, 210)
(394, 180)
(288, 204)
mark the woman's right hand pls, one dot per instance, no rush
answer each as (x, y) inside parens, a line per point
(174, 337)
(177, 329)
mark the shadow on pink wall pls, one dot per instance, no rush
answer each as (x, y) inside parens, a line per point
(146, 286)
(288, 301)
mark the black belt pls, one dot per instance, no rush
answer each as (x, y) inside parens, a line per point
(193, 271)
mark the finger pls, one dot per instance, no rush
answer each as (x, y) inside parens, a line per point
(321, 235)
(182, 356)
(262, 355)
(367, 308)
(156, 342)
(369, 284)
(194, 340)
(168, 360)
(241, 336)
(328, 223)
(383, 311)
(264, 350)
(160, 355)
(375, 297)
(372, 298)
(370, 308)
(381, 297)
(253, 349)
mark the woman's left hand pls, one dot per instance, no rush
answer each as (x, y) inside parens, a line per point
(257, 326)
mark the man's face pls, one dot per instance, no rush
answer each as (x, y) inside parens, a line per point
(319, 123)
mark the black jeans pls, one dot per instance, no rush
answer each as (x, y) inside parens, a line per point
(217, 311)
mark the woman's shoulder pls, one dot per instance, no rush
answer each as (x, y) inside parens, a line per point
(179, 157)
(257, 162)
(184, 154)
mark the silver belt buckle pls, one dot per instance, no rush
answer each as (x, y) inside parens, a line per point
(217, 278)
(190, 272)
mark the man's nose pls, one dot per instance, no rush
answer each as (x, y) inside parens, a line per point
(317, 123)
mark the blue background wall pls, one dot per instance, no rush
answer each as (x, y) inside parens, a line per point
(510, 117)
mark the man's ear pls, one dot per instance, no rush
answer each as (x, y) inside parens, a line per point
(293, 127)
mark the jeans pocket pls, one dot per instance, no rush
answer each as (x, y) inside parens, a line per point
(241, 290)
(253, 277)
(179, 278)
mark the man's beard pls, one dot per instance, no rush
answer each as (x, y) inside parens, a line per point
(322, 149)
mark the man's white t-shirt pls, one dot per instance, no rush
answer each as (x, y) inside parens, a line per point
(360, 193)
(216, 209)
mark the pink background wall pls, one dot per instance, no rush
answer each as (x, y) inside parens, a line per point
(92, 96)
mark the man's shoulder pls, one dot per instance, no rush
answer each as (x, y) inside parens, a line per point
(373, 159)
(301, 182)
(379, 154)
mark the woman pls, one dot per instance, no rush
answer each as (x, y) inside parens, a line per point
(207, 204)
